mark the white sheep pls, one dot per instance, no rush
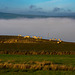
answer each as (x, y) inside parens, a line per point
(27, 37)
(58, 42)
(55, 39)
(35, 37)
(19, 35)
(50, 39)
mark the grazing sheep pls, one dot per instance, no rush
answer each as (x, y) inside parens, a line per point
(59, 39)
(50, 39)
(27, 37)
(58, 42)
(35, 37)
(19, 35)
(40, 37)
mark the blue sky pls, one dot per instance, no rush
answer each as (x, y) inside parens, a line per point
(63, 28)
(37, 6)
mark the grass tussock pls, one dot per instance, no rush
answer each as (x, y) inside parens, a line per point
(45, 65)
(38, 53)
(0, 60)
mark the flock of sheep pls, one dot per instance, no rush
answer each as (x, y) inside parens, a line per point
(35, 37)
(58, 40)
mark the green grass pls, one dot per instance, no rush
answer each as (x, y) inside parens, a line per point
(37, 47)
(40, 45)
(68, 60)
(15, 72)
(57, 59)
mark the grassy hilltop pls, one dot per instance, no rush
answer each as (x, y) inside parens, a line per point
(36, 56)
(40, 46)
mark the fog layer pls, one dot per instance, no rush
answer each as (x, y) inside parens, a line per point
(63, 28)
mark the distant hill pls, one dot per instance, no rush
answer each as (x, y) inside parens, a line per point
(14, 16)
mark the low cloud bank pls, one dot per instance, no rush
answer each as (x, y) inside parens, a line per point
(63, 28)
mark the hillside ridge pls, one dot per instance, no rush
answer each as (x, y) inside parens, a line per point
(24, 45)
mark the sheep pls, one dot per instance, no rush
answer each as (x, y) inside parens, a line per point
(59, 39)
(58, 42)
(50, 39)
(34, 37)
(19, 35)
(27, 37)
(40, 37)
